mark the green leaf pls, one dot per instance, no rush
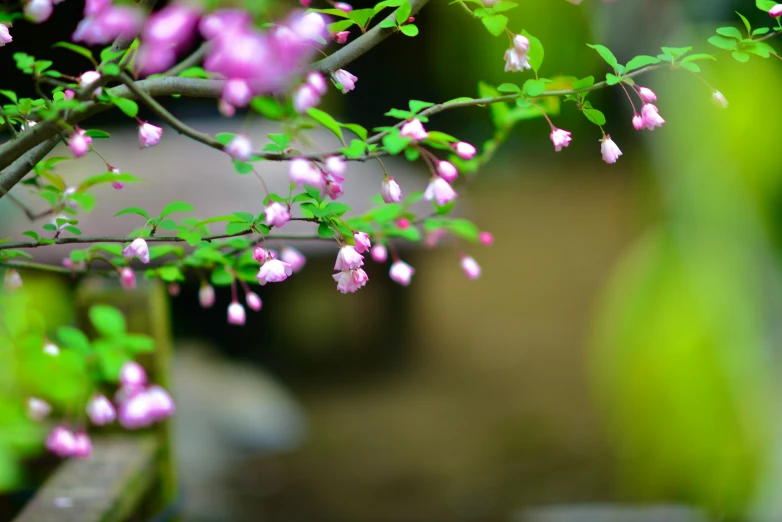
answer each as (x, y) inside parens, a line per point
(606, 54)
(760, 31)
(31, 234)
(78, 49)
(267, 107)
(641, 61)
(534, 87)
(356, 129)
(676, 52)
(695, 57)
(242, 167)
(11, 95)
(111, 359)
(595, 116)
(740, 56)
(221, 277)
(326, 120)
(356, 149)
(765, 5)
(342, 25)
(746, 23)
(417, 106)
(325, 231)
(508, 87)
(402, 115)
(224, 137)
(694, 67)
(385, 24)
(107, 54)
(174, 207)
(730, 32)
(761, 49)
(394, 143)
(194, 72)
(73, 230)
(96, 133)
(464, 228)
(110, 69)
(402, 13)
(133, 210)
(612, 79)
(107, 320)
(170, 273)
(107, 177)
(136, 343)
(337, 208)
(361, 16)
(535, 53)
(129, 107)
(74, 339)
(409, 30)
(236, 228)
(495, 23)
(723, 42)
(192, 238)
(583, 83)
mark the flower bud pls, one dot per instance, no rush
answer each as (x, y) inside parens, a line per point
(341, 37)
(173, 289)
(206, 295)
(259, 254)
(304, 172)
(294, 258)
(317, 82)
(239, 148)
(82, 447)
(38, 409)
(440, 191)
(225, 108)
(138, 248)
(89, 78)
(237, 92)
(38, 11)
(390, 191)
(471, 267)
(346, 80)
(447, 171)
(134, 412)
(403, 223)
(638, 122)
(236, 314)
(79, 143)
(343, 6)
(160, 404)
(149, 135)
(379, 253)
(5, 35)
(132, 375)
(61, 441)
(647, 94)
(401, 273)
(253, 301)
(609, 150)
(414, 130)
(51, 349)
(362, 242)
(486, 238)
(336, 166)
(100, 410)
(775, 11)
(719, 99)
(127, 278)
(464, 150)
(12, 280)
(276, 215)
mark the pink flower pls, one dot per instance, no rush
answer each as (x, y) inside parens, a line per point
(89, 78)
(160, 404)
(719, 99)
(70, 264)
(127, 278)
(93, 7)
(470, 267)
(434, 237)
(277, 214)
(225, 108)
(5, 35)
(206, 295)
(414, 130)
(134, 411)
(138, 248)
(305, 3)
(350, 280)
(253, 301)
(609, 150)
(100, 410)
(440, 191)
(104, 23)
(38, 409)
(79, 143)
(464, 150)
(61, 441)
(516, 61)
(560, 138)
(12, 280)
(152, 59)
(172, 27)
(149, 135)
(362, 242)
(447, 171)
(775, 11)
(403, 223)
(647, 94)
(341, 36)
(317, 82)
(348, 259)
(336, 166)
(304, 98)
(486, 238)
(521, 43)
(310, 26)
(237, 92)
(345, 79)
(304, 172)
(239, 148)
(343, 6)
(273, 271)
(82, 446)
(651, 117)
(38, 11)
(294, 258)
(334, 189)
(68, 94)
(132, 375)
(224, 21)
(259, 254)
(390, 191)
(236, 314)
(638, 121)
(379, 253)
(401, 273)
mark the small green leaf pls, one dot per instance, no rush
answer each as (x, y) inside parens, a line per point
(343, 25)
(110, 69)
(326, 120)
(356, 149)
(746, 23)
(136, 343)
(107, 320)
(583, 83)
(760, 31)
(695, 57)
(417, 106)
(534, 87)
(236, 228)
(535, 53)
(267, 107)
(612, 79)
(129, 107)
(73, 230)
(31, 234)
(325, 231)
(409, 30)
(508, 87)
(723, 42)
(495, 23)
(11, 95)
(224, 137)
(361, 16)
(676, 52)
(641, 61)
(403, 13)
(78, 49)
(192, 238)
(194, 72)
(133, 210)
(765, 5)
(385, 24)
(730, 32)
(96, 133)
(176, 206)
(394, 143)
(595, 116)
(356, 129)
(74, 339)
(606, 54)
(740, 56)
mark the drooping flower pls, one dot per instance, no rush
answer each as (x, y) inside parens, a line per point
(253, 301)
(464, 150)
(61, 441)
(341, 37)
(100, 410)
(160, 404)
(317, 82)
(346, 80)
(310, 26)
(239, 148)
(273, 271)
(237, 92)
(304, 172)
(127, 278)
(447, 171)
(609, 150)
(336, 166)
(138, 248)
(560, 138)
(259, 254)
(638, 121)
(379, 253)
(225, 108)
(362, 242)
(516, 61)
(343, 6)
(651, 116)
(349, 281)
(206, 295)
(134, 411)
(38, 11)
(304, 98)
(132, 375)
(223, 22)
(12, 280)
(236, 314)
(471, 267)
(719, 99)
(440, 191)
(104, 22)
(277, 214)
(414, 130)
(82, 447)
(166, 33)
(486, 238)
(38, 409)
(79, 143)
(348, 258)
(401, 273)
(88, 78)
(5, 35)
(647, 94)
(390, 191)
(149, 135)
(776, 11)
(294, 258)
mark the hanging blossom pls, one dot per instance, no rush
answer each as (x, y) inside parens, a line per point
(5, 35)
(560, 138)
(516, 59)
(390, 190)
(609, 149)
(345, 79)
(471, 268)
(138, 404)
(138, 248)
(651, 117)
(104, 22)
(401, 273)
